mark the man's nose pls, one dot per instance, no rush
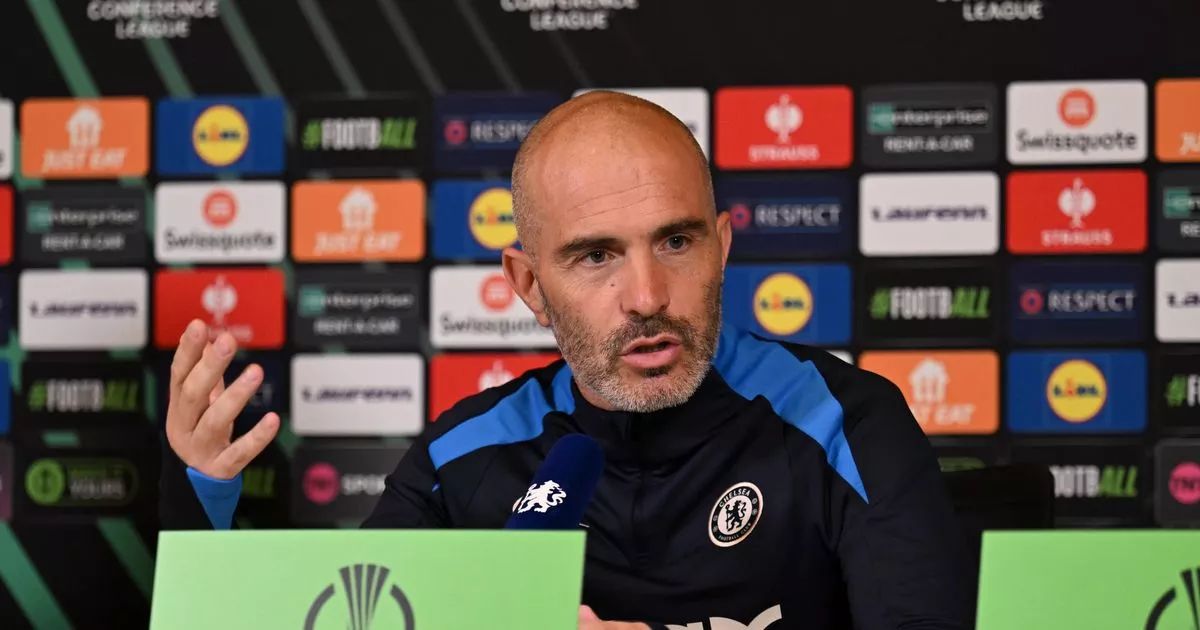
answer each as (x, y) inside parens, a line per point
(645, 293)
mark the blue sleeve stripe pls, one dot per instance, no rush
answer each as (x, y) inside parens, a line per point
(796, 390)
(218, 497)
(516, 418)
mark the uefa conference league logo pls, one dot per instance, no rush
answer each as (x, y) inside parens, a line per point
(363, 586)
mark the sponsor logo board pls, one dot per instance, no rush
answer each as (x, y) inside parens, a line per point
(226, 222)
(358, 310)
(950, 392)
(929, 126)
(788, 217)
(341, 395)
(101, 309)
(800, 303)
(929, 214)
(1084, 391)
(248, 303)
(474, 307)
(99, 224)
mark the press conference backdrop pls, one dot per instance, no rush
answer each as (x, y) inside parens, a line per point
(995, 204)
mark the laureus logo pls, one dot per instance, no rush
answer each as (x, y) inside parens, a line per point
(1167, 608)
(362, 586)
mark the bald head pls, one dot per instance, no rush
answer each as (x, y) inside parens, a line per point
(595, 132)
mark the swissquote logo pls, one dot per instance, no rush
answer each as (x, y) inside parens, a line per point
(226, 222)
(488, 316)
(735, 514)
(1086, 122)
(541, 498)
(363, 587)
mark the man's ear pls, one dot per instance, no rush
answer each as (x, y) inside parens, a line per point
(725, 232)
(518, 270)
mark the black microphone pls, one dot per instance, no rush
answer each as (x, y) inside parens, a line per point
(562, 487)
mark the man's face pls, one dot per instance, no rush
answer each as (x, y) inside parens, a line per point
(628, 263)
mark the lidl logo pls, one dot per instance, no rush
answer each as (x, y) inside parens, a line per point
(783, 304)
(800, 303)
(491, 219)
(1076, 390)
(212, 135)
(472, 219)
(220, 135)
(1084, 391)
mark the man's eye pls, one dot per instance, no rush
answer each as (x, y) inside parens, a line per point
(596, 257)
(678, 241)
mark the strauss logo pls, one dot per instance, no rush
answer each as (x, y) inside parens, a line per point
(783, 118)
(1077, 202)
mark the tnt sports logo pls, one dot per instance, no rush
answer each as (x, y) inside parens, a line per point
(491, 219)
(735, 514)
(1077, 107)
(783, 304)
(220, 135)
(321, 483)
(220, 208)
(1184, 483)
(495, 294)
(362, 585)
(1076, 391)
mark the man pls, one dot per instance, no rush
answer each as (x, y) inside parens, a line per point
(748, 483)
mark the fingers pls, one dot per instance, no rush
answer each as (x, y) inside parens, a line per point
(587, 614)
(217, 420)
(191, 345)
(217, 390)
(192, 397)
(239, 454)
